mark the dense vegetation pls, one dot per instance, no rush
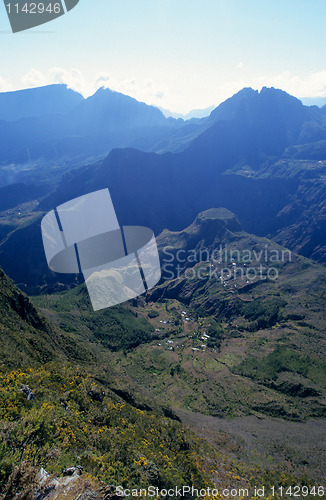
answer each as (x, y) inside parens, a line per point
(70, 421)
(55, 414)
(110, 391)
(263, 313)
(283, 359)
(116, 328)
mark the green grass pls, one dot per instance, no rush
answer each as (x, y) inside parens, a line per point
(265, 339)
(112, 440)
(283, 359)
(116, 328)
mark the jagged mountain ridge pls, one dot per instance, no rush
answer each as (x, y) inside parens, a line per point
(234, 163)
(55, 124)
(270, 119)
(276, 189)
(88, 128)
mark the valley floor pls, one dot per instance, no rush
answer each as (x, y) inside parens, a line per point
(298, 447)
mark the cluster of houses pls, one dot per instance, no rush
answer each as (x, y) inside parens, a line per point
(171, 344)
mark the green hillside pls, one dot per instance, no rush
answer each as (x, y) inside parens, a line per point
(171, 387)
(55, 413)
(27, 338)
(235, 348)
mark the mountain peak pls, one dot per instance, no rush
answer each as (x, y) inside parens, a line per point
(105, 98)
(245, 93)
(214, 214)
(105, 93)
(210, 228)
(273, 93)
(248, 98)
(227, 108)
(212, 222)
(38, 101)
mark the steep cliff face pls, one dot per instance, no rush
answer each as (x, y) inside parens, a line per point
(26, 337)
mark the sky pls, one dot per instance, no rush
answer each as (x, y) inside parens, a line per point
(176, 54)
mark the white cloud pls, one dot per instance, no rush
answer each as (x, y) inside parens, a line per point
(34, 78)
(102, 79)
(312, 84)
(5, 85)
(73, 78)
(181, 94)
(147, 90)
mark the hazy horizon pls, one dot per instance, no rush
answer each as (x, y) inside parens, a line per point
(176, 55)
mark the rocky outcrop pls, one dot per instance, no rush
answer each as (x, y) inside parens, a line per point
(28, 392)
(73, 485)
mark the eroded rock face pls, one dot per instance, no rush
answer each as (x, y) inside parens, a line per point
(72, 485)
(28, 392)
(49, 486)
(70, 471)
(26, 483)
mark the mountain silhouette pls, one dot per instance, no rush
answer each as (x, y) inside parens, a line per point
(38, 101)
(259, 154)
(54, 123)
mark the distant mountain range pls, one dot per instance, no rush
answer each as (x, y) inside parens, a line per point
(193, 114)
(55, 125)
(261, 155)
(48, 130)
(313, 101)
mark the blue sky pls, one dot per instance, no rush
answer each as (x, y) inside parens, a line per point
(177, 54)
